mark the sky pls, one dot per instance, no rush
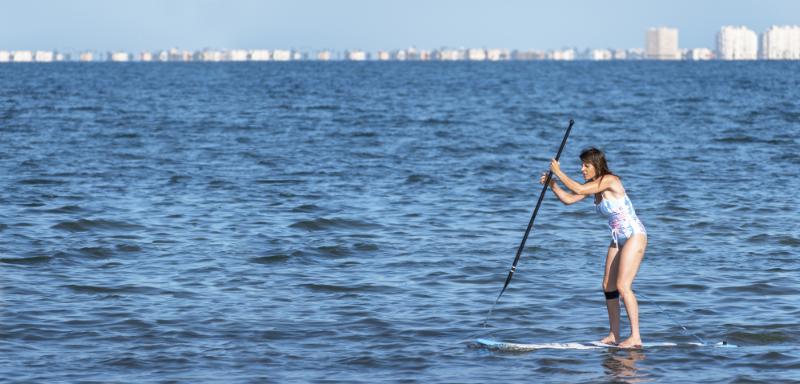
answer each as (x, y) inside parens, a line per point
(371, 25)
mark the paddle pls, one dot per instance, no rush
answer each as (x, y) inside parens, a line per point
(530, 223)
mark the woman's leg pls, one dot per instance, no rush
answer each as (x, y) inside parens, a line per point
(630, 257)
(610, 285)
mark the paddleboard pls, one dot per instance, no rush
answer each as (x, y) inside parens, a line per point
(519, 347)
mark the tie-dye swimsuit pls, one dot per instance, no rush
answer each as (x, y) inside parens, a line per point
(622, 219)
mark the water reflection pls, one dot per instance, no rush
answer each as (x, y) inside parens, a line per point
(621, 365)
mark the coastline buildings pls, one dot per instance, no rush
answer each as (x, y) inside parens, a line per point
(781, 43)
(732, 43)
(601, 54)
(119, 57)
(696, 54)
(355, 56)
(662, 44)
(324, 55)
(43, 56)
(237, 55)
(737, 43)
(259, 55)
(281, 55)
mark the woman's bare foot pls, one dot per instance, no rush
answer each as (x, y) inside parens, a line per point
(631, 342)
(610, 339)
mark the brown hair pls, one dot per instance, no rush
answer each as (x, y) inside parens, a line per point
(596, 158)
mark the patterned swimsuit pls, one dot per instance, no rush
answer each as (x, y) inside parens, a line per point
(622, 219)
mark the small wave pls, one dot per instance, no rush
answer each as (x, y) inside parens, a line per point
(219, 184)
(789, 240)
(760, 238)
(322, 223)
(432, 121)
(752, 139)
(128, 156)
(3, 227)
(41, 182)
(760, 338)
(762, 289)
(279, 181)
(333, 250)
(323, 107)
(418, 179)
(306, 208)
(87, 109)
(84, 225)
(66, 209)
(332, 288)
(126, 135)
(365, 247)
(96, 251)
(125, 289)
(26, 260)
(691, 287)
(364, 288)
(364, 134)
(128, 248)
(178, 179)
(272, 259)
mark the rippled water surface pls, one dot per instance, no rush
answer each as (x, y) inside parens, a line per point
(353, 222)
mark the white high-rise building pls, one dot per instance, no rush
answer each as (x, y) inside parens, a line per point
(601, 54)
(355, 55)
(260, 55)
(86, 57)
(43, 56)
(737, 43)
(5, 56)
(383, 56)
(281, 55)
(662, 44)
(237, 55)
(324, 55)
(119, 57)
(474, 54)
(449, 55)
(496, 54)
(22, 56)
(561, 55)
(781, 43)
(697, 54)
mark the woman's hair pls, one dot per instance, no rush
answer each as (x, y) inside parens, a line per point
(596, 158)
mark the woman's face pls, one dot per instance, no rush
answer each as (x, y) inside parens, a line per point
(589, 171)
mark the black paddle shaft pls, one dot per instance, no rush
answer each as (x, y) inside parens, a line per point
(535, 211)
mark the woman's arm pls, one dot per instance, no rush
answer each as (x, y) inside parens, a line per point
(565, 197)
(589, 188)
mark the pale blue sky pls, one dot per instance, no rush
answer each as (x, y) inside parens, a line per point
(136, 25)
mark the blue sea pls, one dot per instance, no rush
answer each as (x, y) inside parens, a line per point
(347, 222)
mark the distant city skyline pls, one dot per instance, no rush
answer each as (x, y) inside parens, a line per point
(149, 25)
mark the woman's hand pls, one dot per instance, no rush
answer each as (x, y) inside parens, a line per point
(544, 178)
(555, 166)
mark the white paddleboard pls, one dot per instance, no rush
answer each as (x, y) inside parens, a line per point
(518, 347)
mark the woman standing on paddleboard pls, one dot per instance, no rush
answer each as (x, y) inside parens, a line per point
(628, 236)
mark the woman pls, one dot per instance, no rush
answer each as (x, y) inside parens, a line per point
(628, 236)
